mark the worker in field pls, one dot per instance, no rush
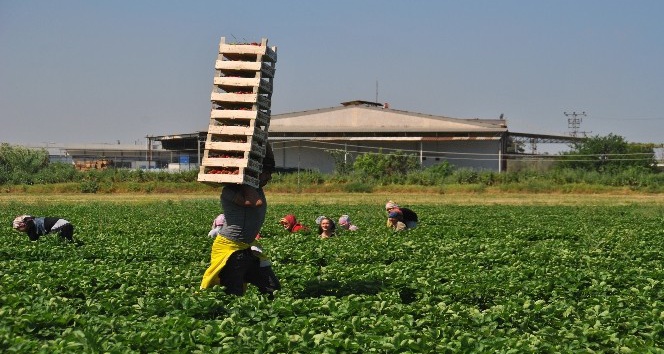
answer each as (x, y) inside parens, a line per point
(289, 223)
(236, 258)
(36, 227)
(326, 227)
(398, 218)
(217, 224)
(346, 224)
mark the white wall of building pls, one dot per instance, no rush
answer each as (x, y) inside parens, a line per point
(315, 155)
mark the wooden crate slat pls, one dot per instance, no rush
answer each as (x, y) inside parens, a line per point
(227, 82)
(248, 163)
(252, 146)
(237, 81)
(234, 97)
(262, 49)
(241, 178)
(238, 65)
(238, 130)
(262, 117)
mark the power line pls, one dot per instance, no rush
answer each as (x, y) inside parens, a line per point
(451, 155)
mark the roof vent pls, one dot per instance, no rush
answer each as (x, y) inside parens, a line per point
(361, 103)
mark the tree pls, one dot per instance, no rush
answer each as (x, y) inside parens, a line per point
(609, 153)
(341, 164)
(19, 164)
(379, 165)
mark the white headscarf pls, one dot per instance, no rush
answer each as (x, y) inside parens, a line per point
(19, 221)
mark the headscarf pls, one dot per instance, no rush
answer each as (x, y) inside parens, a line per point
(344, 222)
(219, 221)
(320, 218)
(292, 223)
(390, 204)
(19, 221)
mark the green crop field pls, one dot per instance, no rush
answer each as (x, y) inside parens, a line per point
(500, 276)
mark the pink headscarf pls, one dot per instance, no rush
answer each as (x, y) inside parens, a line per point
(219, 221)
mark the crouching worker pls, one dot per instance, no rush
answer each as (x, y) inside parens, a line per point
(400, 219)
(217, 223)
(36, 227)
(236, 257)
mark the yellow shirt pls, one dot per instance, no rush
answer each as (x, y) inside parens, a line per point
(222, 249)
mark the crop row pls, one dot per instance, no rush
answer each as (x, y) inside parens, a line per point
(469, 278)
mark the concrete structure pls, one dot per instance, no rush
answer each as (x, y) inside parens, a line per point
(307, 139)
(143, 156)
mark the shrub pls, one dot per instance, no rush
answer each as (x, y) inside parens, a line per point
(465, 176)
(89, 186)
(379, 165)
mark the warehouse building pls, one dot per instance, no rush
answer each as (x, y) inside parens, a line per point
(317, 139)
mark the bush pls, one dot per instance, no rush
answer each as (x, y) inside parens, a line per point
(19, 165)
(380, 166)
(89, 186)
(57, 172)
(465, 176)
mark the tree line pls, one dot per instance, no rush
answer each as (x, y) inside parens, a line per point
(601, 160)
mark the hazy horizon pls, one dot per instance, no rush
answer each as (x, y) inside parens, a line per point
(103, 71)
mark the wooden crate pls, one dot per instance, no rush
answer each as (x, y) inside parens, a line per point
(250, 164)
(251, 146)
(234, 68)
(233, 83)
(242, 176)
(240, 116)
(239, 51)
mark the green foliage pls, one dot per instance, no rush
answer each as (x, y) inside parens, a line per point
(24, 167)
(89, 186)
(609, 153)
(499, 278)
(302, 177)
(18, 165)
(466, 176)
(430, 176)
(57, 172)
(381, 165)
(138, 175)
(342, 165)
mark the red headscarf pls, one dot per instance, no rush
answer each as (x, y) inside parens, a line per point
(293, 225)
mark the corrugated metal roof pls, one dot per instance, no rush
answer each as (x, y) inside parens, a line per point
(362, 119)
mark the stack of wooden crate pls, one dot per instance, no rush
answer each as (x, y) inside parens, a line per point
(240, 116)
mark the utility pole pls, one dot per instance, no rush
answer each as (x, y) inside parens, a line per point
(574, 123)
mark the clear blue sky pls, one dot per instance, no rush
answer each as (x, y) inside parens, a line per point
(75, 71)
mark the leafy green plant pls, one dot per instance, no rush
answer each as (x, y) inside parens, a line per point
(89, 186)
(469, 278)
(383, 165)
